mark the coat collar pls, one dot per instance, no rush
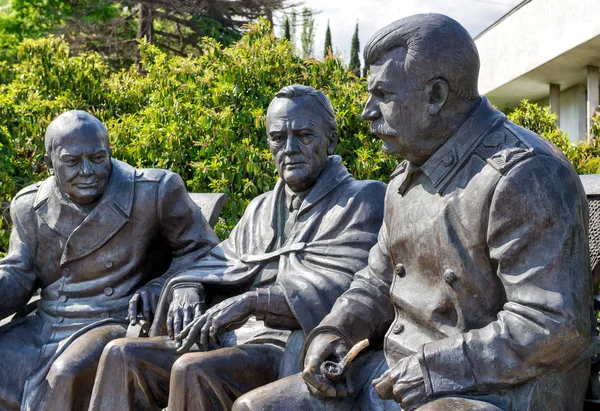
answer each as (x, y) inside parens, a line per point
(101, 224)
(449, 158)
(334, 174)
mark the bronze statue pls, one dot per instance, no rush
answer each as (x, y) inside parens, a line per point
(479, 286)
(94, 235)
(292, 254)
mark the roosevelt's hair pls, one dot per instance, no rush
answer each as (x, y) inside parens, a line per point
(69, 122)
(436, 46)
(299, 90)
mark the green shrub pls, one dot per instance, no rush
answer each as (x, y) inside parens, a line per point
(585, 156)
(202, 117)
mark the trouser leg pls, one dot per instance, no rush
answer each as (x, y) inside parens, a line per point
(133, 374)
(68, 384)
(214, 380)
(20, 349)
(292, 394)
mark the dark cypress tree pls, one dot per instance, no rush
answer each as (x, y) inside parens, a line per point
(328, 47)
(286, 27)
(354, 60)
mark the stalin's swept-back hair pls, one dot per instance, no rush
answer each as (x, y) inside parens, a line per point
(73, 121)
(299, 90)
(436, 46)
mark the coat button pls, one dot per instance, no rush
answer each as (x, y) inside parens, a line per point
(108, 264)
(66, 273)
(108, 291)
(62, 298)
(449, 276)
(400, 270)
(448, 159)
(398, 328)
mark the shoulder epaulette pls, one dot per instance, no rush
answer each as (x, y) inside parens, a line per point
(154, 175)
(502, 149)
(32, 189)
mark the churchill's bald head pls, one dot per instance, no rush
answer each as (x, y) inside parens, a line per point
(76, 123)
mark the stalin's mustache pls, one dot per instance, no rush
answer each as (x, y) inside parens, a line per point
(380, 127)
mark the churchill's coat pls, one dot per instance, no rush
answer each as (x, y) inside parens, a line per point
(88, 267)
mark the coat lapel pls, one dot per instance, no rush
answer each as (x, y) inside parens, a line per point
(333, 175)
(54, 211)
(107, 218)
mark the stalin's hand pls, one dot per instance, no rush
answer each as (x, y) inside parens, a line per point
(228, 315)
(403, 383)
(145, 301)
(326, 347)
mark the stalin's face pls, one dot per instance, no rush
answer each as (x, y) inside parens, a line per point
(298, 141)
(398, 108)
(80, 160)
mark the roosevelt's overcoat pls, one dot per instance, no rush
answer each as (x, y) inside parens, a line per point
(88, 267)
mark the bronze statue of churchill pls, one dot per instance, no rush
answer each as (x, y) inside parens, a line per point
(92, 236)
(479, 286)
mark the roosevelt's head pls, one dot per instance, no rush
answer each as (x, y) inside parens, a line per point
(422, 83)
(302, 133)
(78, 154)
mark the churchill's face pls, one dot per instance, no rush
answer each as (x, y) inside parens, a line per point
(81, 163)
(298, 140)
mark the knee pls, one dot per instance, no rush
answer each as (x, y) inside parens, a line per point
(192, 365)
(248, 402)
(117, 350)
(451, 404)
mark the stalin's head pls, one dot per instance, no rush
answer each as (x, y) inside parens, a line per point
(422, 83)
(78, 155)
(302, 133)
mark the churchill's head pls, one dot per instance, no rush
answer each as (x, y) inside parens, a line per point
(78, 154)
(422, 83)
(302, 133)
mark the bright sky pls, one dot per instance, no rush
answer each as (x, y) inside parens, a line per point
(475, 15)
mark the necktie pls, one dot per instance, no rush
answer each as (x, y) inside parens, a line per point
(293, 208)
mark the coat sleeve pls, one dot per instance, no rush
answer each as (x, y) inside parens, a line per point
(182, 225)
(537, 239)
(365, 309)
(18, 278)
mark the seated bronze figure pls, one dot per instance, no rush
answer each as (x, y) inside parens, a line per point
(479, 287)
(94, 235)
(294, 251)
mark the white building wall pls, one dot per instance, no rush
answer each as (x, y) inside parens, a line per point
(573, 103)
(539, 31)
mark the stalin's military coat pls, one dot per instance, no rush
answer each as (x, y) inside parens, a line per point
(481, 270)
(88, 266)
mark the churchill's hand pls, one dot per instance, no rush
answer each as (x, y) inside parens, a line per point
(186, 305)
(324, 347)
(145, 301)
(227, 315)
(403, 383)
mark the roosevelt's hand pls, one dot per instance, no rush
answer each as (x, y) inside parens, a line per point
(186, 305)
(403, 383)
(324, 347)
(144, 300)
(227, 315)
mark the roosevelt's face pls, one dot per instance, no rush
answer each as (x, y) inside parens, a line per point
(81, 163)
(298, 141)
(397, 107)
